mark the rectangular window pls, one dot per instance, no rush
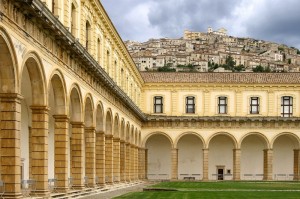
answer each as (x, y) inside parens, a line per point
(190, 104)
(158, 104)
(254, 105)
(287, 106)
(222, 105)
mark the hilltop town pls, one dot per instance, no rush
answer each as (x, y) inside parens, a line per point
(213, 51)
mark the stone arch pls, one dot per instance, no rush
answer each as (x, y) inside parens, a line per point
(33, 66)
(221, 148)
(99, 118)
(132, 134)
(285, 152)
(127, 132)
(235, 143)
(159, 159)
(89, 111)
(75, 104)
(116, 132)
(252, 147)
(188, 133)
(260, 135)
(155, 133)
(290, 135)
(9, 64)
(136, 137)
(139, 141)
(109, 122)
(123, 130)
(57, 82)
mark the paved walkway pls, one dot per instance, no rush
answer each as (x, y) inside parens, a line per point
(118, 192)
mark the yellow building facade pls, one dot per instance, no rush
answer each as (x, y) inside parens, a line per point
(74, 107)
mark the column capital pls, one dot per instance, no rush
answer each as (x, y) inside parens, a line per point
(10, 96)
(61, 118)
(116, 139)
(100, 132)
(236, 149)
(77, 124)
(122, 141)
(206, 149)
(39, 109)
(90, 128)
(268, 150)
(109, 136)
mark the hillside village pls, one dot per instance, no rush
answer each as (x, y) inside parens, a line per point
(213, 51)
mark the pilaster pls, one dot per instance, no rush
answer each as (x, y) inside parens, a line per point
(116, 161)
(236, 164)
(109, 159)
(122, 160)
(100, 157)
(77, 154)
(127, 163)
(174, 157)
(296, 164)
(61, 138)
(268, 164)
(10, 106)
(39, 159)
(205, 164)
(90, 155)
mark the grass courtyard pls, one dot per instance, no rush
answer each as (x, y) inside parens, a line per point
(219, 190)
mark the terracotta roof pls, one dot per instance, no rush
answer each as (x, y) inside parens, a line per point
(226, 78)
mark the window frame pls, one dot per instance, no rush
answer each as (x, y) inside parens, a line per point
(288, 99)
(257, 105)
(155, 105)
(225, 105)
(192, 105)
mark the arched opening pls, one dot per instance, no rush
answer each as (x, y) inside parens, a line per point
(285, 148)
(88, 35)
(190, 157)
(220, 159)
(159, 157)
(252, 157)
(57, 129)
(98, 50)
(89, 141)
(34, 112)
(109, 148)
(76, 139)
(73, 20)
(100, 146)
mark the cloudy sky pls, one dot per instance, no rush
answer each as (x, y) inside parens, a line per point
(271, 20)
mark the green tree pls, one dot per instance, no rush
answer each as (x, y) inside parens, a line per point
(261, 69)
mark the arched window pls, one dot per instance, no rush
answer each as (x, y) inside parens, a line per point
(87, 35)
(99, 50)
(73, 20)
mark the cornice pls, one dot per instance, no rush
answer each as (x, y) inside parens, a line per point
(38, 10)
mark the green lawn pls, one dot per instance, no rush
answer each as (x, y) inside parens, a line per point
(225, 189)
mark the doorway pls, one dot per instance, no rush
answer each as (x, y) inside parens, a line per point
(220, 174)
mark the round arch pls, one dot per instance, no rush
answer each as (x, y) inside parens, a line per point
(157, 133)
(260, 135)
(188, 133)
(235, 143)
(8, 71)
(57, 82)
(108, 122)
(127, 132)
(123, 130)
(75, 104)
(33, 65)
(116, 132)
(290, 135)
(89, 111)
(99, 117)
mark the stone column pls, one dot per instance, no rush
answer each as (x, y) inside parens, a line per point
(205, 164)
(39, 164)
(236, 164)
(77, 154)
(127, 164)
(122, 160)
(116, 161)
(100, 157)
(136, 162)
(174, 156)
(268, 164)
(61, 138)
(10, 106)
(142, 164)
(90, 155)
(296, 164)
(132, 162)
(109, 159)
(146, 164)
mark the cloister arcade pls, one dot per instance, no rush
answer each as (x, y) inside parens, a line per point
(222, 156)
